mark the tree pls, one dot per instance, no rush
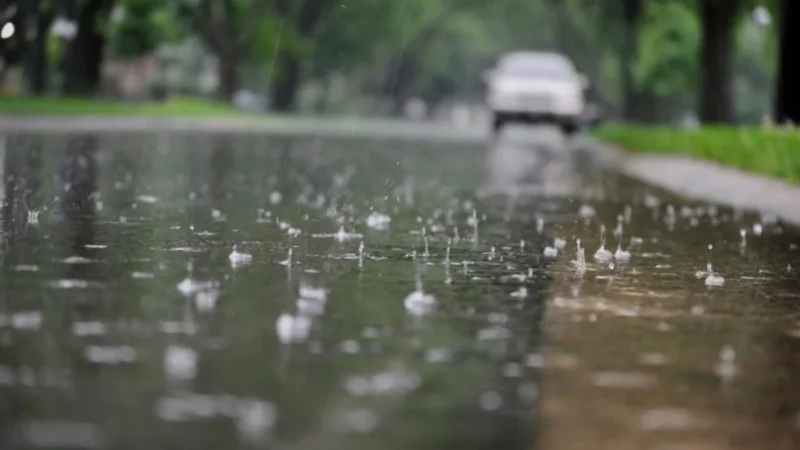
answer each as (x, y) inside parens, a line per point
(227, 28)
(666, 67)
(40, 14)
(718, 20)
(787, 105)
(142, 27)
(13, 46)
(301, 16)
(85, 54)
(631, 17)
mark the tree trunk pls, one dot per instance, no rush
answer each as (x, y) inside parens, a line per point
(787, 104)
(37, 67)
(630, 37)
(400, 82)
(286, 84)
(85, 55)
(228, 77)
(323, 100)
(718, 19)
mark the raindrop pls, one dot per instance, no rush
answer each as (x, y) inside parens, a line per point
(356, 420)
(255, 419)
(579, 263)
(26, 320)
(70, 284)
(291, 329)
(419, 303)
(712, 279)
(668, 419)
(587, 211)
(438, 355)
(7, 31)
(180, 362)
(206, 299)
(490, 401)
(522, 292)
(33, 217)
(111, 355)
(350, 346)
(275, 197)
(621, 255)
(726, 366)
(93, 328)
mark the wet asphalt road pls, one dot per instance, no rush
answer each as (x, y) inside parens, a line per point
(382, 293)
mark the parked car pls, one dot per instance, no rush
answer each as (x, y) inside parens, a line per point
(536, 87)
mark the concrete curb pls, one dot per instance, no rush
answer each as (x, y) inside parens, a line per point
(709, 181)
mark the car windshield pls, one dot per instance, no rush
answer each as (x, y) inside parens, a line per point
(535, 68)
(537, 72)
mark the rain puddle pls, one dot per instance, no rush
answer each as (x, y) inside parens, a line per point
(222, 292)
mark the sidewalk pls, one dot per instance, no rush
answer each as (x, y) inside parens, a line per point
(709, 181)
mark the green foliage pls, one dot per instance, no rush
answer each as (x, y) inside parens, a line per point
(772, 152)
(668, 48)
(78, 106)
(274, 34)
(144, 25)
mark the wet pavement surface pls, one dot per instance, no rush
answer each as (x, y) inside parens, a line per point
(209, 291)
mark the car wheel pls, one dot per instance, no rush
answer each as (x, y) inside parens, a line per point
(569, 128)
(498, 122)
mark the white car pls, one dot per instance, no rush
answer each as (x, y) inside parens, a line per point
(536, 87)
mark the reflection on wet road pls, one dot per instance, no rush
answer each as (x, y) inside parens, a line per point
(175, 290)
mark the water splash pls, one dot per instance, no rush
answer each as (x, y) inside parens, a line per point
(288, 261)
(602, 254)
(620, 255)
(238, 258)
(580, 260)
(340, 236)
(418, 302)
(712, 279)
(378, 221)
